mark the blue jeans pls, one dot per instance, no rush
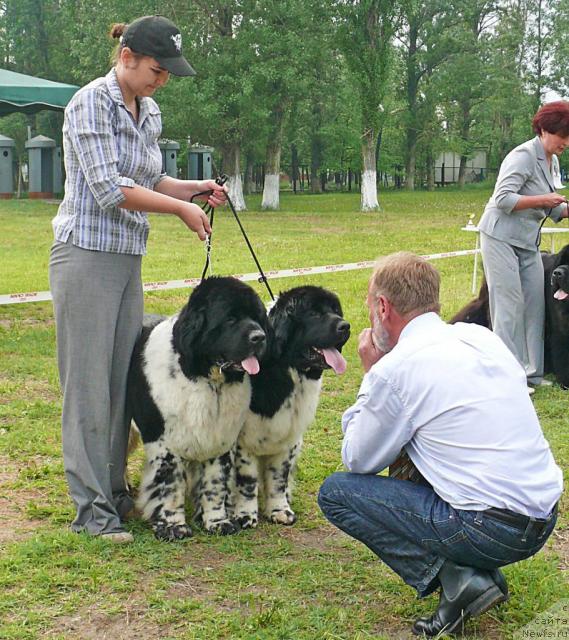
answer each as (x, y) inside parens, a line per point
(414, 531)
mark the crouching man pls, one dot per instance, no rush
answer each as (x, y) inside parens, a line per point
(455, 399)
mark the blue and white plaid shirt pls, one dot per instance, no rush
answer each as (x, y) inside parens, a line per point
(104, 149)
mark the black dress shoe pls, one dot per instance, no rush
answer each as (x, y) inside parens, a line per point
(465, 592)
(500, 580)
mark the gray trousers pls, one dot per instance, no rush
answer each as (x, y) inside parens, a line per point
(517, 301)
(98, 304)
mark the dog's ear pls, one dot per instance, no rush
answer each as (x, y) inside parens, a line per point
(187, 329)
(563, 256)
(282, 319)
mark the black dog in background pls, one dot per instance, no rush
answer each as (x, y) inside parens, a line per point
(556, 290)
(557, 314)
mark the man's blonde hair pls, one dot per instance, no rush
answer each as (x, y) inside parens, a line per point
(408, 281)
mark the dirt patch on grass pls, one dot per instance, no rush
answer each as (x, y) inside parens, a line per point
(560, 547)
(10, 323)
(14, 523)
(29, 389)
(90, 624)
(206, 563)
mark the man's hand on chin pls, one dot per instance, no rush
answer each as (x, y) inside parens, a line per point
(367, 350)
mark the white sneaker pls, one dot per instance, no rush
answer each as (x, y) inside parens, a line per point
(531, 390)
(120, 537)
(542, 383)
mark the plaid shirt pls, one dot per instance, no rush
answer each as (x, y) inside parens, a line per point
(104, 149)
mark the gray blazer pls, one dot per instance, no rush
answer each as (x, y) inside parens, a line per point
(524, 172)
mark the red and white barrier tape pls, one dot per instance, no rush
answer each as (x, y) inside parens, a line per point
(41, 296)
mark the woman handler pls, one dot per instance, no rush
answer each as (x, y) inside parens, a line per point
(114, 175)
(524, 196)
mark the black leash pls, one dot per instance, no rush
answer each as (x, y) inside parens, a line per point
(209, 210)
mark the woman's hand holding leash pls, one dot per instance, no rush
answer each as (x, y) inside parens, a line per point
(551, 200)
(195, 219)
(212, 192)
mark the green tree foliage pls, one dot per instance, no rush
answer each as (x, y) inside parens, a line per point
(366, 36)
(373, 86)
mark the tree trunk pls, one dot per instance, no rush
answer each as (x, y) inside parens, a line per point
(430, 170)
(273, 160)
(411, 119)
(465, 137)
(315, 162)
(272, 176)
(249, 186)
(369, 200)
(294, 166)
(316, 147)
(411, 152)
(231, 163)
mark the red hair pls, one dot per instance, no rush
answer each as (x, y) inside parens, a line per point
(552, 117)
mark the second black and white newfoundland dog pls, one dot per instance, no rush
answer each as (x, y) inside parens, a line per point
(189, 392)
(309, 333)
(556, 291)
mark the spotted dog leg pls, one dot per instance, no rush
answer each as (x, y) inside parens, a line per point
(162, 493)
(278, 469)
(246, 488)
(214, 494)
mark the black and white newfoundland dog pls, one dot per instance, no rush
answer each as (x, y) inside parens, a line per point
(556, 291)
(309, 333)
(189, 392)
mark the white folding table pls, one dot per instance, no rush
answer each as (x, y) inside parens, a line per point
(545, 231)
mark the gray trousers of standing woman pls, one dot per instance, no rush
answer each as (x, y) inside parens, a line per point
(517, 304)
(98, 303)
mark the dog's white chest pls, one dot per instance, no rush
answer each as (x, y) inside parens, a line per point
(202, 417)
(205, 419)
(268, 436)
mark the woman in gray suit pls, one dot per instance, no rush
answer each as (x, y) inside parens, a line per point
(524, 196)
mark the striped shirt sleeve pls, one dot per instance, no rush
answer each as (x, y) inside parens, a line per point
(90, 130)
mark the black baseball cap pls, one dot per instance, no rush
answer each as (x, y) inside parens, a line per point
(159, 38)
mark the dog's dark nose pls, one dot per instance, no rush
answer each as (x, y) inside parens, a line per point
(557, 273)
(257, 337)
(343, 328)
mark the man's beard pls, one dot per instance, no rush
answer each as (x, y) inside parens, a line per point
(379, 334)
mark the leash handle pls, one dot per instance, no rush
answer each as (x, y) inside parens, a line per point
(220, 180)
(208, 210)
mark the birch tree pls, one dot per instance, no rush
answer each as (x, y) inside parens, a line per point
(367, 33)
(279, 36)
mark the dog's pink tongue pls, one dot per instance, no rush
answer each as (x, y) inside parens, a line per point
(560, 294)
(335, 359)
(251, 365)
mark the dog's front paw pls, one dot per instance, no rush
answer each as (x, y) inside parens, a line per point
(283, 516)
(247, 521)
(169, 532)
(222, 528)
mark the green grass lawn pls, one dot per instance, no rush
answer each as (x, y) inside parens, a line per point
(306, 582)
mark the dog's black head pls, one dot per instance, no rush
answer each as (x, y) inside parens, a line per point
(224, 324)
(560, 276)
(310, 330)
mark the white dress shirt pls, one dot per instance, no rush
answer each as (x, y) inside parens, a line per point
(456, 399)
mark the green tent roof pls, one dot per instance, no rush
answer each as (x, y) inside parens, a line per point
(27, 94)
